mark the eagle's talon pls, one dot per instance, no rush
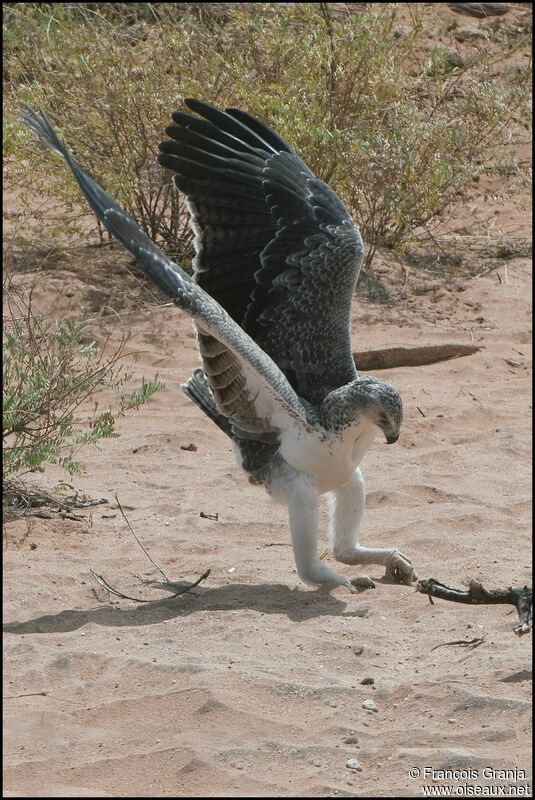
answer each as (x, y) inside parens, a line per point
(362, 582)
(399, 569)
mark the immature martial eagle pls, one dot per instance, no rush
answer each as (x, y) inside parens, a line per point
(277, 259)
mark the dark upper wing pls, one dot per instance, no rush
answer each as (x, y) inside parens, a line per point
(274, 245)
(248, 387)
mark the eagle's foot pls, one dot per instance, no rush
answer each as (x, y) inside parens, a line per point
(399, 568)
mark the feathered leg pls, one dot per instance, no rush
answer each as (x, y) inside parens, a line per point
(291, 487)
(346, 507)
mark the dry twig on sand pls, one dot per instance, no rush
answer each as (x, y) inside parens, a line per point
(21, 500)
(165, 584)
(477, 595)
(173, 586)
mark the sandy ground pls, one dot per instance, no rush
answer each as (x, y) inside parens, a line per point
(251, 684)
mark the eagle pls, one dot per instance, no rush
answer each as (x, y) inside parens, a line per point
(277, 258)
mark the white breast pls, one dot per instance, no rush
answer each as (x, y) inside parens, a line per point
(329, 462)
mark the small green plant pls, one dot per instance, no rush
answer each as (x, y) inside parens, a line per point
(49, 371)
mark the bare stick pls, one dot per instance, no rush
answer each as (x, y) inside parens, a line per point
(110, 589)
(167, 584)
(42, 694)
(105, 585)
(471, 643)
(139, 543)
(522, 599)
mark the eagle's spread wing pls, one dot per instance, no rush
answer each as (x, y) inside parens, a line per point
(275, 246)
(248, 387)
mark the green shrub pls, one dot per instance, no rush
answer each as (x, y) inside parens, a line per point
(49, 371)
(395, 131)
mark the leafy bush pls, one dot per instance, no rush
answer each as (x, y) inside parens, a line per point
(395, 132)
(49, 370)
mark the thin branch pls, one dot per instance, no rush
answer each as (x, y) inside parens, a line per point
(160, 570)
(167, 584)
(522, 599)
(105, 585)
(471, 643)
(110, 589)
